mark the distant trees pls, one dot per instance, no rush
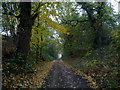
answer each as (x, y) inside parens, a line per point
(82, 26)
(88, 30)
(100, 14)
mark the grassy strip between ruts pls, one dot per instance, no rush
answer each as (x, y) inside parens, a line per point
(91, 81)
(32, 80)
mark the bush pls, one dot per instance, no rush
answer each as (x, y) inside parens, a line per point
(93, 65)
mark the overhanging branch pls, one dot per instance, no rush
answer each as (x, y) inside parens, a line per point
(71, 22)
(37, 11)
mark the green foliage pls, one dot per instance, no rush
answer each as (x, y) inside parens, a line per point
(17, 65)
(19, 59)
(28, 67)
(116, 40)
(112, 80)
(94, 65)
(10, 13)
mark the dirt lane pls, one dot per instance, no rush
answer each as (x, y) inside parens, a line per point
(63, 77)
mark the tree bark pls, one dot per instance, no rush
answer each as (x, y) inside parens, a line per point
(96, 23)
(38, 41)
(24, 29)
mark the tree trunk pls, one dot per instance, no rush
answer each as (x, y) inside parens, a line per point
(24, 29)
(41, 39)
(96, 23)
(37, 49)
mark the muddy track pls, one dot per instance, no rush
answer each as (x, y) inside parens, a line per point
(62, 77)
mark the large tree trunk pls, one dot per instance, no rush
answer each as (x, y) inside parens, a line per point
(24, 29)
(96, 23)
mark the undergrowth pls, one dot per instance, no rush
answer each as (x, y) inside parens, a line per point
(18, 74)
(102, 67)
